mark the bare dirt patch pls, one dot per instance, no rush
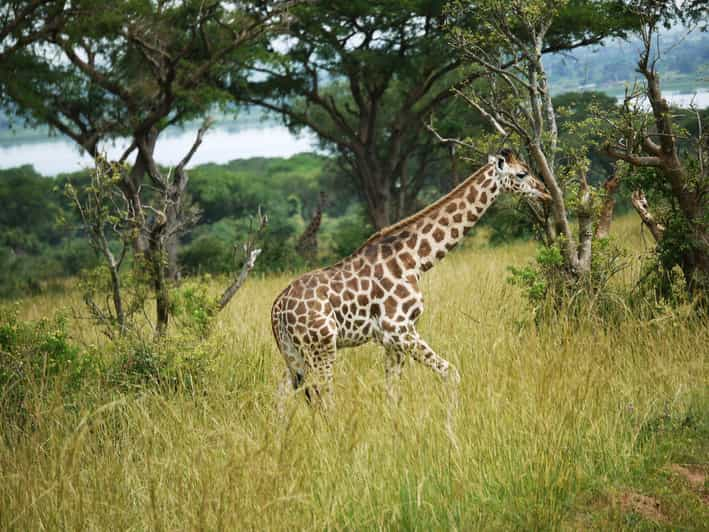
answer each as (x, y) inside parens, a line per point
(648, 507)
(695, 475)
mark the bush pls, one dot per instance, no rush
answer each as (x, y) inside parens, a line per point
(207, 254)
(36, 357)
(507, 222)
(192, 307)
(177, 364)
(552, 290)
(349, 232)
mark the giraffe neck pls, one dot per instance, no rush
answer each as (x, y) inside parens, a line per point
(418, 242)
(307, 243)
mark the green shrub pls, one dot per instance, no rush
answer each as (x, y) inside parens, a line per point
(507, 222)
(349, 232)
(175, 364)
(207, 254)
(36, 357)
(552, 290)
(192, 307)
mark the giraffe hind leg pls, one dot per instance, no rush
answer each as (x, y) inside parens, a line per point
(294, 372)
(319, 362)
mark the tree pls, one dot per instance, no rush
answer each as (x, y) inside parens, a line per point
(670, 161)
(132, 69)
(516, 99)
(24, 22)
(363, 76)
(366, 76)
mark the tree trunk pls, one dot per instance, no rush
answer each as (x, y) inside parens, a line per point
(558, 208)
(584, 215)
(172, 240)
(695, 257)
(131, 184)
(158, 263)
(378, 195)
(173, 264)
(695, 263)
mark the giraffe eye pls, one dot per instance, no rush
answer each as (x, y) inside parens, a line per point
(521, 175)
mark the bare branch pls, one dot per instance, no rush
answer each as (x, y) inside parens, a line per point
(483, 112)
(446, 140)
(239, 281)
(643, 209)
(195, 145)
(635, 160)
(252, 254)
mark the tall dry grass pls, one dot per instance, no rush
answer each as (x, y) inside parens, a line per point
(544, 416)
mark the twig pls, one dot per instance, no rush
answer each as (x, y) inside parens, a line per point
(483, 112)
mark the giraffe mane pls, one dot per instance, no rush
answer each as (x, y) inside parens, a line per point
(386, 231)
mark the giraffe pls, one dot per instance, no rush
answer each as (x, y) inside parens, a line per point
(307, 245)
(373, 294)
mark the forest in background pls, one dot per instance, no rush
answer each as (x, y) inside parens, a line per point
(41, 243)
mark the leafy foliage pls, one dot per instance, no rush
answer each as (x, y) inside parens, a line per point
(35, 359)
(550, 290)
(180, 364)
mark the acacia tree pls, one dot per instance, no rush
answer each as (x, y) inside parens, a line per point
(23, 22)
(516, 99)
(363, 76)
(132, 69)
(366, 77)
(669, 162)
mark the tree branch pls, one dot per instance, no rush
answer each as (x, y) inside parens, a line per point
(640, 204)
(635, 160)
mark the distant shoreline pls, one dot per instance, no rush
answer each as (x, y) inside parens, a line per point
(255, 120)
(254, 134)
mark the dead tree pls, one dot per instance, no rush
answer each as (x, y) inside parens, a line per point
(652, 141)
(641, 206)
(142, 70)
(517, 103)
(605, 217)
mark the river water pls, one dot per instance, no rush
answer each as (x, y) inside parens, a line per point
(57, 155)
(221, 144)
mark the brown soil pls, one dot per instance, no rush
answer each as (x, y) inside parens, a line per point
(648, 507)
(695, 475)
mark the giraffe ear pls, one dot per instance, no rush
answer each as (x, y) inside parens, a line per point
(501, 162)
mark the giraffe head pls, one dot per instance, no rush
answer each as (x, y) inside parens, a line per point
(514, 176)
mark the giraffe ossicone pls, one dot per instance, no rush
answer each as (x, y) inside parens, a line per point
(373, 294)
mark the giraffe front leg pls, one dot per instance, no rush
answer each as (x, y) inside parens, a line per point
(422, 353)
(394, 363)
